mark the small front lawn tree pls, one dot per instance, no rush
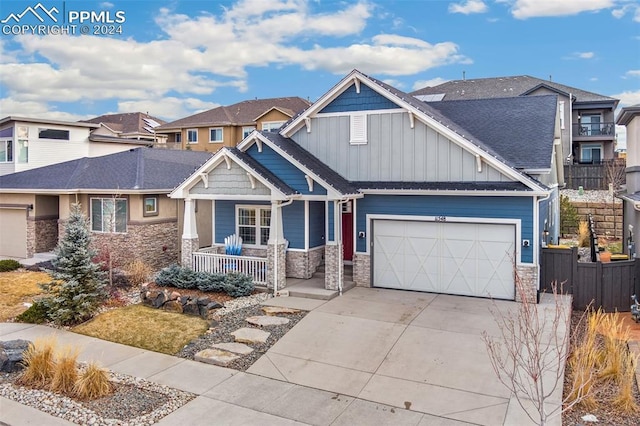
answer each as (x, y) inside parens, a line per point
(78, 286)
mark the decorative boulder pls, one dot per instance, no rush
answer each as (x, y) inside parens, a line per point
(173, 306)
(191, 308)
(11, 355)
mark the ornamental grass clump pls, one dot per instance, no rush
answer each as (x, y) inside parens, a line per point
(138, 272)
(583, 233)
(92, 383)
(615, 348)
(624, 400)
(39, 363)
(65, 372)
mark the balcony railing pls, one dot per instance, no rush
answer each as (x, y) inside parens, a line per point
(594, 129)
(256, 267)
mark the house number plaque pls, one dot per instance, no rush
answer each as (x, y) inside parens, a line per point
(441, 218)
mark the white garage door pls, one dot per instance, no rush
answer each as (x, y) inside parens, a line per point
(13, 233)
(472, 259)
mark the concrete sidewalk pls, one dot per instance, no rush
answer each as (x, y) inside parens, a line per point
(225, 396)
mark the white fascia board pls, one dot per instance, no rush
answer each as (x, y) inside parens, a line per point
(85, 191)
(460, 193)
(216, 197)
(537, 171)
(347, 81)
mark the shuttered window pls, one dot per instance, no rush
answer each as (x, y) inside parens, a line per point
(358, 129)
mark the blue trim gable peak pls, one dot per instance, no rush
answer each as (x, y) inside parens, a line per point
(367, 100)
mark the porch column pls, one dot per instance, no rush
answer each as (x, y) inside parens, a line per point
(190, 241)
(333, 263)
(276, 250)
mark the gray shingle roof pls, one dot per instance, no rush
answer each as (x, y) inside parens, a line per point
(520, 129)
(262, 171)
(502, 87)
(140, 169)
(330, 176)
(131, 122)
(241, 113)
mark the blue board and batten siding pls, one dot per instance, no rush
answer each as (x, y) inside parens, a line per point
(350, 100)
(284, 170)
(293, 219)
(520, 208)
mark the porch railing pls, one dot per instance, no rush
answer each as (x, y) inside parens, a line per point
(207, 261)
(594, 129)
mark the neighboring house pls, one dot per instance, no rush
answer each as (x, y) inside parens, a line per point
(123, 194)
(414, 195)
(228, 125)
(129, 125)
(630, 117)
(586, 119)
(28, 143)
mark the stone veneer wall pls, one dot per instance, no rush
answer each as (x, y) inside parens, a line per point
(282, 267)
(333, 265)
(528, 276)
(362, 270)
(302, 264)
(46, 234)
(155, 243)
(607, 217)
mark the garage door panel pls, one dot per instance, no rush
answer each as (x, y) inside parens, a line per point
(444, 257)
(13, 232)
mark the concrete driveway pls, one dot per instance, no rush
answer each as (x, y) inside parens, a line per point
(419, 351)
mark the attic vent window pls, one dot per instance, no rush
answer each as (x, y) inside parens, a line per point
(358, 129)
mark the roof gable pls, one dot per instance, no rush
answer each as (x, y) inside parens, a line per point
(358, 98)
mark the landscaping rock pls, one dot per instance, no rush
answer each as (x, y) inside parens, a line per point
(214, 305)
(173, 306)
(216, 357)
(174, 295)
(204, 301)
(191, 308)
(275, 310)
(11, 355)
(250, 335)
(203, 311)
(159, 300)
(184, 299)
(236, 348)
(267, 320)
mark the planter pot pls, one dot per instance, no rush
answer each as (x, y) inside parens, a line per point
(605, 256)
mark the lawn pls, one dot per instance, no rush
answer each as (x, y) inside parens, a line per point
(18, 288)
(144, 327)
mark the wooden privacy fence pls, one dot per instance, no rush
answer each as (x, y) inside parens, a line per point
(594, 176)
(609, 285)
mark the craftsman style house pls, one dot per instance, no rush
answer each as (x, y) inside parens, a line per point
(419, 196)
(228, 125)
(586, 119)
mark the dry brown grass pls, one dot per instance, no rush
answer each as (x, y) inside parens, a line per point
(18, 288)
(615, 349)
(625, 400)
(39, 363)
(92, 383)
(138, 272)
(583, 233)
(145, 328)
(65, 372)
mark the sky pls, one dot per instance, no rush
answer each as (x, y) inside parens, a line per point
(176, 58)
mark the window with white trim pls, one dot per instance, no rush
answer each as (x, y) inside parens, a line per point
(358, 129)
(59, 134)
(178, 137)
(272, 126)
(109, 215)
(6, 150)
(252, 224)
(215, 135)
(150, 205)
(246, 131)
(192, 135)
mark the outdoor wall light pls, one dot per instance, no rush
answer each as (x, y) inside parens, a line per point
(361, 234)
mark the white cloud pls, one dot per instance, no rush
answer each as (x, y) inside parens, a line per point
(195, 55)
(394, 83)
(428, 83)
(106, 5)
(593, 79)
(523, 9)
(632, 8)
(170, 108)
(469, 7)
(11, 106)
(628, 97)
(581, 55)
(633, 73)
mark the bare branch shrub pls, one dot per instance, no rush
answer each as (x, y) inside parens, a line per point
(530, 353)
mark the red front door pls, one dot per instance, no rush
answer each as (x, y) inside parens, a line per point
(347, 231)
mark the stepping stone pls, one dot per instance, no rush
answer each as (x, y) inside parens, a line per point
(267, 320)
(216, 357)
(250, 335)
(236, 348)
(275, 310)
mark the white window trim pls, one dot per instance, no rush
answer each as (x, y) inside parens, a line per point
(590, 146)
(187, 134)
(221, 134)
(109, 231)
(258, 208)
(561, 113)
(247, 130)
(358, 129)
(156, 201)
(272, 123)
(13, 155)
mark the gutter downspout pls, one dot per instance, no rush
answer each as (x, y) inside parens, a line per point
(279, 206)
